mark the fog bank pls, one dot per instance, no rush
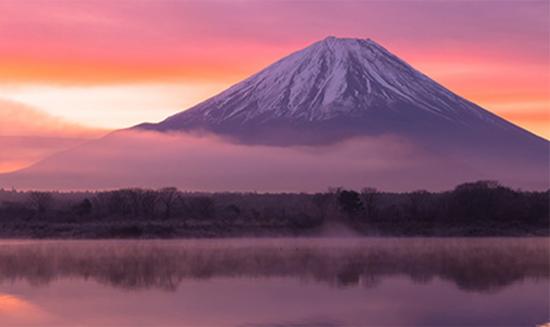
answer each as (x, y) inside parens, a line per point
(208, 163)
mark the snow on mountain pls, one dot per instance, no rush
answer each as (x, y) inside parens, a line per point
(339, 112)
(335, 77)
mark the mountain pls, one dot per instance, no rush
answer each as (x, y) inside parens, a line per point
(339, 112)
(338, 88)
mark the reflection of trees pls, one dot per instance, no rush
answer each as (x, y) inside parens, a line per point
(472, 264)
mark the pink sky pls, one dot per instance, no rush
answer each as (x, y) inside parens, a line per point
(112, 64)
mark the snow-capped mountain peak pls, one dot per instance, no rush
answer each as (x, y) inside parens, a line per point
(341, 111)
(342, 86)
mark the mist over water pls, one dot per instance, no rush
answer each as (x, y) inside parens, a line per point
(338, 229)
(276, 282)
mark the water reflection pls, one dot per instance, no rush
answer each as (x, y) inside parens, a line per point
(477, 265)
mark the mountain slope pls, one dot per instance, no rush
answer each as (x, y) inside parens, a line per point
(341, 86)
(339, 112)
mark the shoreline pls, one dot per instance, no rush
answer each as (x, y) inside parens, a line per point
(170, 230)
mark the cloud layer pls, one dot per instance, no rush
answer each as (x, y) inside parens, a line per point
(28, 135)
(207, 163)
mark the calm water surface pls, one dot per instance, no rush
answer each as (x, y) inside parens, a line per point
(276, 282)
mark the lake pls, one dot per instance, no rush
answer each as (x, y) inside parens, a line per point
(276, 282)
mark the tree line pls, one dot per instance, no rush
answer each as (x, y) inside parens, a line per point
(477, 208)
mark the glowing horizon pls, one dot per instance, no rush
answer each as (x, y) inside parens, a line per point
(106, 65)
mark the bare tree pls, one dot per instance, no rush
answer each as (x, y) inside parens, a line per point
(168, 198)
(133, 199)
(201, 206)
(40, 201)
(369, 196)
(417, 202)
(149, 201)
(323, 202)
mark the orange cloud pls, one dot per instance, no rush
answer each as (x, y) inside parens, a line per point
(17, 119)
(21, 151)
(515, 90)
(28, 135)
(220, 62)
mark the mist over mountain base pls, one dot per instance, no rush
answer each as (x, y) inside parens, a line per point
(210, 163)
